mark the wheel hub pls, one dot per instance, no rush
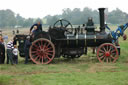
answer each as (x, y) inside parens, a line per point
(42, 51)
(107, 54)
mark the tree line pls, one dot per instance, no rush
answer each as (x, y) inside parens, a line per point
(8, 19)
(76, 16)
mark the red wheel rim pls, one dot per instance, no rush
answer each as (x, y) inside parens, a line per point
(107, 53)
(42, 51)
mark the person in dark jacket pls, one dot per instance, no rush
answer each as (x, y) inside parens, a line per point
(2, 54)
(90, 22)
(39, 27)
(2, 51)
(26, 49)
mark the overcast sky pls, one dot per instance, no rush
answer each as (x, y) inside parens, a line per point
(41, 8)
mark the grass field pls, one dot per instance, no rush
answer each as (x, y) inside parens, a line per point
(83, 71)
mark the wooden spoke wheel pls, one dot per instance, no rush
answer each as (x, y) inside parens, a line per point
(42, 51)
(107, 53)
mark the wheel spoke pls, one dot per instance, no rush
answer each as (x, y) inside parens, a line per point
(102, 57)
(113, 51)
(35, 54)
(110, 49)
(35, 45)
(101, 54)
(48, 53)
(61, 23)
(101, 51)
(44, 46)
(112, 57)
(107, 59)
(107, 47)
(48, 57)
(34, 51)
(42, 60)
(41, 43)
(104, 49)
(47, 45)
(48, 49)
(37, 58)
(113, 54)
(38, 43)
(37, 49)
(67, 25)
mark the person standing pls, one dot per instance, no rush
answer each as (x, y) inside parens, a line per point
(9, 52)
(2, 51)
(13, 32)
(1, 57)
(15, 55)
(26, 49)
(17, 31)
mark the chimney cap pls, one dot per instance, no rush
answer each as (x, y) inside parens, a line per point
(102, 8)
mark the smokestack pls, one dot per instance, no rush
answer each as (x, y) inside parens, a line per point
(102, 19)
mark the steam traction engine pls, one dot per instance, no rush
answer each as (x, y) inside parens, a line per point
(64, 40)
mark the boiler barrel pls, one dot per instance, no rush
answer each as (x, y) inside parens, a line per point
(83, 40)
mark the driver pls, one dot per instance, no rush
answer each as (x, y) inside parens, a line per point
(90, 22)
(39, 27)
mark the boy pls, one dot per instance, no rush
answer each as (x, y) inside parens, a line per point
(34, 31)
(9, 52)
(15, 55)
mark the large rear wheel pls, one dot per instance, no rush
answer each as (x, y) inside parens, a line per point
(42, 51)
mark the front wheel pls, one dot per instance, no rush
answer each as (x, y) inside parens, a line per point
(107, 52)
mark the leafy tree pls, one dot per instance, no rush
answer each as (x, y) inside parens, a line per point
(28, 22)
(76, 16)
(3, 21)
(51, 19)
(20, 20)
(10, 18)
(7, 18)
(117, 17)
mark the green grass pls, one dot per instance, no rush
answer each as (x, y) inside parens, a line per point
(65, 74)
(100, 78)
(83, 71)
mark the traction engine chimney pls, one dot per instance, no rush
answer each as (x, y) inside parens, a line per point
(102, 19)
